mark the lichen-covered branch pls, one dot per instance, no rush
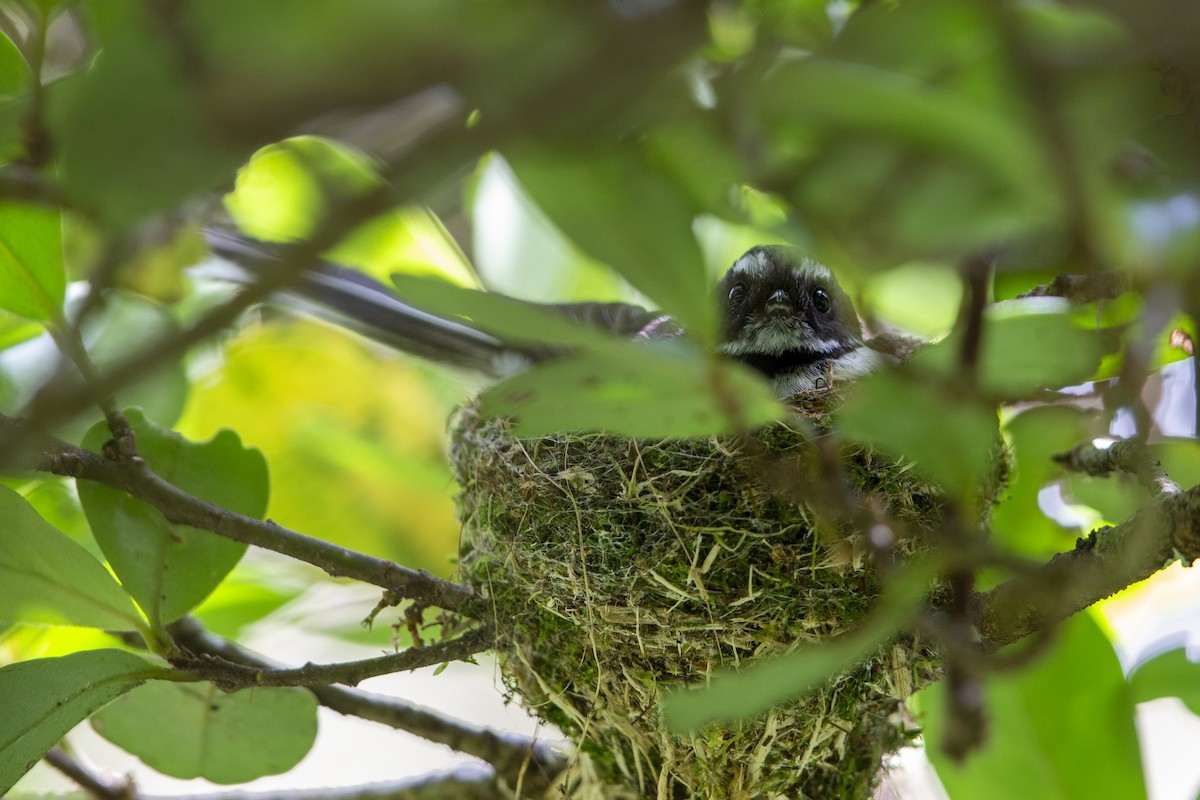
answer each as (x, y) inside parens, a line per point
(135, 478)
(1108, 560)
(1105, 285)
(1126, 456)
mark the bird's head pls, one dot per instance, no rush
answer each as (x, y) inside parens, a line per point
(778, 302)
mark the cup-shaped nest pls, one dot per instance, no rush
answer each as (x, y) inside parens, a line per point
(617, 568)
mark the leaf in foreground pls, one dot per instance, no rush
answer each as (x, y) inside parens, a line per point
(48, 579)
(1168, 674)
(226, 738)
(641, 389)
(1062, 729)
(45, 698)
(168, 568)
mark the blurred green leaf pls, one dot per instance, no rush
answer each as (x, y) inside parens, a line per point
(1026, 345)
(45, 698)
(124, 327)
(32, 279)
(225, 738)
(47, 579)
(1116, 497)
(168, 568)
(15, 329)
(286, 189)
(619, 206)
(952, 439)
(856, 97)
(134, 133)
(803, 23)
(242, 598)
(681, 145)
(14, 70)
(923, 299)
(1180, 458)
(1169, 674)
(1036, 434)
(736, 695)
(639, 389)
(519, 252)
(412, 241)
(501, 316)
(1062, 729)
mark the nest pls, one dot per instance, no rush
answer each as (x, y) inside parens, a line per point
(617, 568)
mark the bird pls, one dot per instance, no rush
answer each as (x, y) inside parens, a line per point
(784, 316)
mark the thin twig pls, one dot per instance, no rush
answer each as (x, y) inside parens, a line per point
(466, 782)
(506, 752)
(232, 676)
(98, 786)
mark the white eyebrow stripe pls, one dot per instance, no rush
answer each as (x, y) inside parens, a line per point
(751, 264)
(758, 262)
(814, 269)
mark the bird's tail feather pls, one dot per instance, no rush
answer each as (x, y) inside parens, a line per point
(369, 308)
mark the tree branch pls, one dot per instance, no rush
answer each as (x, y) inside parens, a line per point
(232, 676)
(1127, 456)
(467, 782)
(519, 760)
(1108, 560)
(98, 786)
(135, 478)
(1106, 285)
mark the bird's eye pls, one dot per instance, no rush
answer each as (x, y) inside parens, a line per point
(821, 300)
(737, 293)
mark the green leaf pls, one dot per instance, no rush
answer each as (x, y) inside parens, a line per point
(735, 695)
(1036, 434)
(14, 70)
(1168, 674)
(621, 208)
(856, 97)
(226, 738)
(1027, 345)
(518, 252)
(639, 389)
(168, 568)
(111, 335)
(952, 439)
(47, 579)
(45, 698)
(32, 279)
(286, 188)
(1061, 729)
(121, 329)
(1180, 458)
(133, 133)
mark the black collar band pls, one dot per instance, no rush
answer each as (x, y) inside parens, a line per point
(790, 361)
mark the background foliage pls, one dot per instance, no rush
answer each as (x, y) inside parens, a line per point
(559, 151)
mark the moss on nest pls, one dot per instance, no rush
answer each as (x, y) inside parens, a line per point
(616, 568)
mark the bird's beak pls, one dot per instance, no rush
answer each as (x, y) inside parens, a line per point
(779, 304)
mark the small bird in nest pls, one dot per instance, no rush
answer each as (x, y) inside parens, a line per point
(785, 316)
